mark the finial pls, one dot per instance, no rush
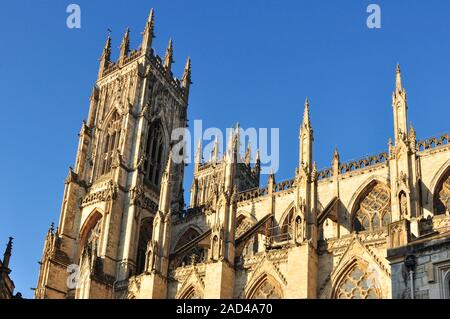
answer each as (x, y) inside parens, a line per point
(248, 154)
(314, 171)
(148, 33)
(306, 119)
(151, 16)
(9, 245)
(168, 168)
(106, 55)
(398, 78)
(125, 45)
(215, 151)
(7, 254)
(336, 154)
(198, 153)
(168, 59)
(231, 145)
(186, 80)
(412, 131)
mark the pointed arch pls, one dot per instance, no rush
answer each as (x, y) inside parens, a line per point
(109, 143)
(187, 235)
(92, 221)
(440, 187)
(286, 213)
(244, 222)
(155, 152)
(363, 186)
(265, 287)
(191, 292)
(145, 235)
(356, 280)
(371, 206)
(287, 224)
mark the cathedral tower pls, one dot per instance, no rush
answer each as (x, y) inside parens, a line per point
(118, 188)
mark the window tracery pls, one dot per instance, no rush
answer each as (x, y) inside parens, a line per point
(192, 293)
(373, 211)
(267, 289)
(145, 235)
(154, 152)
(442, 197)
(243, 224)
(111, 139)
(358, 283)
(287, 227)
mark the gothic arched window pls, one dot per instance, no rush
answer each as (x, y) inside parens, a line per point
(251, 247)
(442, 196)
(145, 235)
(358, 283)
(154, 151)
(267, 288)
(191, 293)
(242, 225)
(187, 237)
(90, 233)
(111, 138)
(287, 227)
(373, 210)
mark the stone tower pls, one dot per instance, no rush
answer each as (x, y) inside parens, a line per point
(118, 197)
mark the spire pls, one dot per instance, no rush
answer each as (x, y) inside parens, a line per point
(231, 146)
(186, 80)
(314, 171)
(125, 45)
(248, 154)
(237, 140)
(106, 54)
(400, 108)
(271, 182)
(106, 57)
(257, 167)
(306, 140)
(7, 254)
(215, 152)
(168, 59)
(398, 78)
(412, 131)
(306, 118)
(51, 230)
(412, 136)
(335, 162)
(198, 156)
(336, 155)
(148, 33)
(164, 200)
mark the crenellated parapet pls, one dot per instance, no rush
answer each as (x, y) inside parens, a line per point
(433, 142)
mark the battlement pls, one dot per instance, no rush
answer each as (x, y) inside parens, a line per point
(433, 142)
(348, 167)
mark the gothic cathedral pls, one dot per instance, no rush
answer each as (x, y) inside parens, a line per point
(378, 227)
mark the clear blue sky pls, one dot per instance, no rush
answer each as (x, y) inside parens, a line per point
(253, 62)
